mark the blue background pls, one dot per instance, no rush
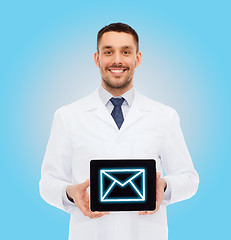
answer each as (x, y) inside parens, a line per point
(46, 61)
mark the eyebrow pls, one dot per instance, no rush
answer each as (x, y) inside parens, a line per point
(109, 47)
(106, 47)
(126, 47)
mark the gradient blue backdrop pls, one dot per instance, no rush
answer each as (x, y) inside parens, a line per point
(46, 55)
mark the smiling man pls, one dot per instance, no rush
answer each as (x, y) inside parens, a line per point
(117, 57)
(116, 122)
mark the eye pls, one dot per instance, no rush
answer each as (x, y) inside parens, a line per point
(107, 52)
(126, 52)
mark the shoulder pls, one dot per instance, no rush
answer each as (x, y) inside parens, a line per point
(78, 106)
(163, 115)
(154, 106)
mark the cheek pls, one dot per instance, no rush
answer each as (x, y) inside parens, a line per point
(132, 64)
(103, 64)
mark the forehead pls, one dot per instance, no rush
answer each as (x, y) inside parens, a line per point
(117, 40)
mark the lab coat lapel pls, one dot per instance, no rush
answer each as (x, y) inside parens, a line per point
(137, 110)
(104, 114)
(99, 109)
(133, 115)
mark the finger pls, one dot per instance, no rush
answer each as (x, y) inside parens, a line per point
(157, 207)
(142, 212)
(104, 213)
(151, 212)
(101, 213)
(90, 214)
(96, 214)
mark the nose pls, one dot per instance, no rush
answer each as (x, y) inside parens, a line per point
(117, 59)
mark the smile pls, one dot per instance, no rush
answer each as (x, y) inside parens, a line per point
(117, 71)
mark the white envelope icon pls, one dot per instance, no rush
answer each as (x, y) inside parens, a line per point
(117, 189)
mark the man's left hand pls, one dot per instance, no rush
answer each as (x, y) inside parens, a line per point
(160, 186)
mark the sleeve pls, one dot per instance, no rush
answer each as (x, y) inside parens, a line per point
(56, 173)
(181, 177)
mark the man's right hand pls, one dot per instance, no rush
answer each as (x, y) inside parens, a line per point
(81, 198)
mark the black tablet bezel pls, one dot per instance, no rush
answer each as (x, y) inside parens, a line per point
(150, 169)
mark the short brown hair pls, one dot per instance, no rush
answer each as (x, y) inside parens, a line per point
(118, 27)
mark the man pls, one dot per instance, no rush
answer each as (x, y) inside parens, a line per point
(88, 129)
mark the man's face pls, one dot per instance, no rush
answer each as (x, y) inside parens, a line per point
(117, 58)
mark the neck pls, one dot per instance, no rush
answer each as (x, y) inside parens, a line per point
(117, 91)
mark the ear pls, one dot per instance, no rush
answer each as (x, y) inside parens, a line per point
(96, 58)
(138, 59)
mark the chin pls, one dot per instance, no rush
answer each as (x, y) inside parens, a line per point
(118, 85)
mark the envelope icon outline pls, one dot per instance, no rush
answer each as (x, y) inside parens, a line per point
(115, 182)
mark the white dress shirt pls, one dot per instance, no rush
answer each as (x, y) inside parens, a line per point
(129, 97)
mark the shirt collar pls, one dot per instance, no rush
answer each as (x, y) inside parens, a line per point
(105, 96)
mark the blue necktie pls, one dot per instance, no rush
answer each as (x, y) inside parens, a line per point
(117, 113)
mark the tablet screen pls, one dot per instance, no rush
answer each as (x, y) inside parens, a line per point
(123, 185)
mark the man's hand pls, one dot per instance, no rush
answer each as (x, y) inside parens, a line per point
(81, 198)
(160, 186)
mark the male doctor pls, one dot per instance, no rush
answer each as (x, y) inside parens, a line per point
(115, 121)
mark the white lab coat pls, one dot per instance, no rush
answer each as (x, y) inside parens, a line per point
(85, 130)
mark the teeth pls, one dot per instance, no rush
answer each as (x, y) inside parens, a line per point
(116, 71)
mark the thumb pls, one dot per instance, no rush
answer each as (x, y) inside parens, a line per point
(157, 175)
(86, 184)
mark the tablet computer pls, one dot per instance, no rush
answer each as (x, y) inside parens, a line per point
(123, 185)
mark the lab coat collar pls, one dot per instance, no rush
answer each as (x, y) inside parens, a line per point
(94, 102)
(139, 107)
